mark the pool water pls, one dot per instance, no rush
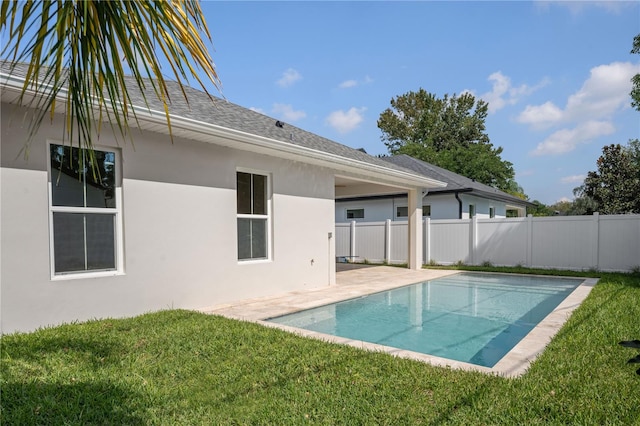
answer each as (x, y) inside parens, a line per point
(471, 317)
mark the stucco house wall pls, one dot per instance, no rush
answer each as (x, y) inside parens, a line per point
(443, 206)
(178, 227)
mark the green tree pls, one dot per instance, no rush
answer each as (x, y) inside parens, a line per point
(539, 209)
(79, 52)
(615, 186)
(448, 132)
(635, 80)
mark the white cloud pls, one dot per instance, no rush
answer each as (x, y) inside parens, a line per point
(289, 77)
(573, 179)
(345, 122)
(541, 115)
(566, 140)
(604, 93)
(590, 110)
(576, 7)
(287, 113)
(256, 109)
(503, 93)
(347, 84)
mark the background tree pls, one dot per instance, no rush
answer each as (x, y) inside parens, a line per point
(539, 209)
(615, 186)
(635, 90)
(79, 50)
(448, 132)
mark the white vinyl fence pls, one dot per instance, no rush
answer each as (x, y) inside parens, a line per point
(603, 242)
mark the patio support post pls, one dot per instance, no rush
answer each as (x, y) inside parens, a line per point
(415, 228)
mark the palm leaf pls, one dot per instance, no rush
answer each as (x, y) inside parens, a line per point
(78, 51)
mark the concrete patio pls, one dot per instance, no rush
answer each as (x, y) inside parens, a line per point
(355, 280)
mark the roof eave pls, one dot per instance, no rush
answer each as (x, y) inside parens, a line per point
(148, 119)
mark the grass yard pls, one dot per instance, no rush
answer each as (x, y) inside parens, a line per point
(180, 367)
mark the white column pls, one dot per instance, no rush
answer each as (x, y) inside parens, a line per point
(415, 228)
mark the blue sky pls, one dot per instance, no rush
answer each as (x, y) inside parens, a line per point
(555, 74)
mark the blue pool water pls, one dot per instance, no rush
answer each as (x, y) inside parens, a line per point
(470, 317)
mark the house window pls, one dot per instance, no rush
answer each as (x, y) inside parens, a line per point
(472, 211)
(84, 210)
(355, 213)
(492, 212)
(404, 211)
(252, 216)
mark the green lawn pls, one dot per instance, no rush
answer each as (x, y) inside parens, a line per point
(180, 367)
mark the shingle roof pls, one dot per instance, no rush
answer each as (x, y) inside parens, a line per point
(200, 107)
(454, 181)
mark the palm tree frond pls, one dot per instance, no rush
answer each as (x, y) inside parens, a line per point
(79, 51)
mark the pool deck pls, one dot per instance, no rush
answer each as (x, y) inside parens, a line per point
(359, 280)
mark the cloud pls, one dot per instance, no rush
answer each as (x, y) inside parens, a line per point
(566, 140)
(289, 77)
(345, 122)
(256, 109)
(541, 115)
(503, 93)
(347, 84)
(573, 179)
(587, 114)
(604, 93)
(287, 113)
(577, 7)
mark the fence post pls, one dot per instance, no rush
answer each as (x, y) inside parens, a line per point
(352, 245)
(595, 242)
(529, 241)
(473, 239)
(387, 240)
(427, 240)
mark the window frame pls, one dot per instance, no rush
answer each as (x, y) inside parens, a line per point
(355, 210)
(267, 217)
(472, 211)
(116, 212)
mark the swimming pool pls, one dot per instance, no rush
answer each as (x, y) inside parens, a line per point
(475, 318)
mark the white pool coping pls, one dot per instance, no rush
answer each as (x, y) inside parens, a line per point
(360, 282)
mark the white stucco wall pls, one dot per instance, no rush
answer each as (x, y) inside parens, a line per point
(179, 230)
(443, 206)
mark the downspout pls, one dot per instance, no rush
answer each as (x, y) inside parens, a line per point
(459, 204)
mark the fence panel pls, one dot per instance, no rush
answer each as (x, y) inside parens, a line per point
(399, 242)
(449, 241)
(343, 239)
(563, 242)
(607, 243)
(501, 242)
(370, 241)
(619, 243)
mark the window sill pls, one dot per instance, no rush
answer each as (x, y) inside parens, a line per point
(85, 275)
(253, 261)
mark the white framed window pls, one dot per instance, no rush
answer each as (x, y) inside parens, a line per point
(403, 211)
(355, 213)
(253, 218)
(492, 212)
(472, 211)
(85, 217)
